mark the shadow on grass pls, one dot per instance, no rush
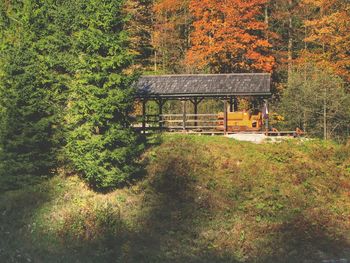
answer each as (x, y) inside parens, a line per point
(16, 210)
(178, 214)
(303, 241)
(172, 224)
(148, 141)
(27, 236)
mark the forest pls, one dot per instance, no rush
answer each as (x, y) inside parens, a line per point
(79, 184)
(68, 67)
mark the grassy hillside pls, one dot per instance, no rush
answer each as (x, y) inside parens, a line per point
(201, 199)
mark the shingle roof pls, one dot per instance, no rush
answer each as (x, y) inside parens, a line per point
(204, 85)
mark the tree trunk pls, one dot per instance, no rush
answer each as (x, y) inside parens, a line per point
(325, 115)
(290, 39)
(155, 61)
(267, 20)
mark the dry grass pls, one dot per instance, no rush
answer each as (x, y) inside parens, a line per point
(203, 199)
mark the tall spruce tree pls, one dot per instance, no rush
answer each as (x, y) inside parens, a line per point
(100, 144)
(32, 87)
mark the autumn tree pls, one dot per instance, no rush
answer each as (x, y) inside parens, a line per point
(139, 26)
(171, 31)
(229, 36)
(329, 35)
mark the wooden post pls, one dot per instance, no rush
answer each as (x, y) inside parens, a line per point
(267, 118)
(231, 105)
(160, 103)
(235, 104)
(225, 116)
(144, 104)
(183, 115)
(195, 104)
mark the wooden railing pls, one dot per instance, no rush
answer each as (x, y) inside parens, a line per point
(201, 123)
(189, 121)
(178, 122)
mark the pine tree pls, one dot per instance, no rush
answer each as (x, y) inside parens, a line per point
(31, 88)
(100, 143)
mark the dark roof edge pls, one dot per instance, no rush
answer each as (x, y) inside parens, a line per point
(182, 95)
(204, 75)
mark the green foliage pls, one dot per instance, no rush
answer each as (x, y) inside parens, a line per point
(32, 88)
(66, 80)
(100, 143)
(316, 100)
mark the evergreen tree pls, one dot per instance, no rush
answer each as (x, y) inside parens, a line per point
(100, 144)
(31, 89)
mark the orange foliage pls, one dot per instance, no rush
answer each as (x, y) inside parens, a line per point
(169, 6)
(228, 36)
(330, 32)
(170, 32)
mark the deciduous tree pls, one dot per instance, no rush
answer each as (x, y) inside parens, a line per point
(316, 101)
(329, 35)
(170, 36)
(229, 36)
(139, 25)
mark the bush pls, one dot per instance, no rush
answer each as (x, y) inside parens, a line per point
(316, 101)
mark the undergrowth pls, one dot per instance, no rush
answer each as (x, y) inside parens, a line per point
(203, 199)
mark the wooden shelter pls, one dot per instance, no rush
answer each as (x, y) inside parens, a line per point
(196, 88)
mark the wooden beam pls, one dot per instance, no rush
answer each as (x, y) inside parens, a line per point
(235, 104)
(225, 117)
(160, 103)
(195, 103)
(266, 108)
(195, 112)
(144, 104)
(196, 100)
(184, 114)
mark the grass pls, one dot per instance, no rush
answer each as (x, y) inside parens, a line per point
(202, 199)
